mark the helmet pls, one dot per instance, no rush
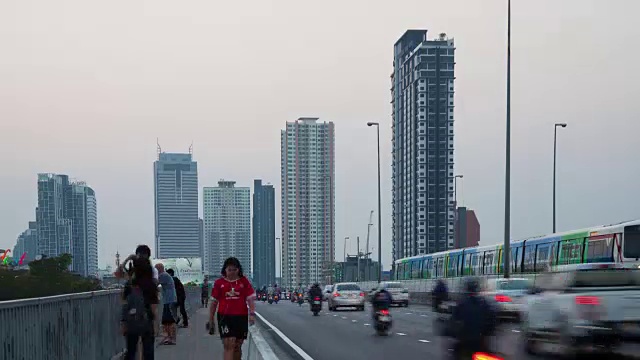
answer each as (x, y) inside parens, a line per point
(472, 285)
(316, 284)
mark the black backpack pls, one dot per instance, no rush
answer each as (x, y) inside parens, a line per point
(135, 313)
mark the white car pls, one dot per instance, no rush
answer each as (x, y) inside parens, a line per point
(399, 293)
(509, 296)
(584, 305)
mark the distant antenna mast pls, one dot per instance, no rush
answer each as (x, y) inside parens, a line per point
(191, 148)
(159, 148)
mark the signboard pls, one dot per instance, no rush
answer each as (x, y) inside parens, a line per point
(186, 269)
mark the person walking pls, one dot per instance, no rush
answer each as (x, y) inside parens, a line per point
(204, 297)
(169, 300)
(181, 295)
(230, 296)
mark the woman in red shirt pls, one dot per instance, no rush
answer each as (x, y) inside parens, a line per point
(231, 294)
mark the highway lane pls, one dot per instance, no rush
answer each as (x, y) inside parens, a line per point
(347, 334)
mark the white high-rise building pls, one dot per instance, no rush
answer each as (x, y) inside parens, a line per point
(227, 226)
(176, 206)
(308, 198)
(422, 92)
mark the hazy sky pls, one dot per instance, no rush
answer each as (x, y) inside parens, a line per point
(86, 87)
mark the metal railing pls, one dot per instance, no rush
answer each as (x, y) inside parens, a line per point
(72, 326)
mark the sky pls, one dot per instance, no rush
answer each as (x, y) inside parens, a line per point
(87, 87)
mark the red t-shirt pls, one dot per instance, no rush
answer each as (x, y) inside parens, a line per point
(232, 295)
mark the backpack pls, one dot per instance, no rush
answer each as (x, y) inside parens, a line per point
(135, 313)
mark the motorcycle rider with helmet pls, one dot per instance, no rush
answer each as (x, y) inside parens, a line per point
(472, 322)
(440, 295)
(315, 292)
(380, 300)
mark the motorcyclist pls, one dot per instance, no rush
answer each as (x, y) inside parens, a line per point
(472, 322)
(380, 300)
(440, 295)
(315, 292)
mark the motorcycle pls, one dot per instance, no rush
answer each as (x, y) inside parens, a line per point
(316, 306)
(293, 298)
(270, 299)
(276, 298)
(383, 322)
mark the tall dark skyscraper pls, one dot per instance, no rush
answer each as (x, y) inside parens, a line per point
(176, 206)
(264, 234)
(423, 174)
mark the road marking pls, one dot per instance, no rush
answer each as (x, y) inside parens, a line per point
(408, 313)
(295, 347)
(366, 324)
(401, 334)
(354, 320)
(344, 318)
(515, 331)
(335, 315)
(424, 341)
(423, 315)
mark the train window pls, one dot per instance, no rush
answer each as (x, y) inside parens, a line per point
(516, 259)
(434, 268)
(440, 270)
(416, 269)
(599, 248)
(570, 252)
(425, 269)
(467, 264)
(529, 258)
(631, 245)
(475, 264)
(407, 271)
(542, 258)
(488, 262)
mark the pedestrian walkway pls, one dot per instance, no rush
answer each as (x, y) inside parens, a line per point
(194, 342)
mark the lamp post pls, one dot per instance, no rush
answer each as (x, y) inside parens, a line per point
(455, 190)
(555, 138)
(377, 125)
(507, 175)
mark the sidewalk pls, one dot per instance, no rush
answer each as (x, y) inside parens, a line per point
(195, 343)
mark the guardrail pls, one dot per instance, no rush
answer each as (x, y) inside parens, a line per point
(72, 326)
(257, 347)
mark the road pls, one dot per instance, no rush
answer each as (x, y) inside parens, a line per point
(347, 334)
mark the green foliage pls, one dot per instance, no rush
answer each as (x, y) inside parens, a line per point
(46, 277)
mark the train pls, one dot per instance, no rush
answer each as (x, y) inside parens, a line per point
(618, 243)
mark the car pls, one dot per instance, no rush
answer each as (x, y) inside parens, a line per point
(327, 292)
(346, 295)
(509, 296)
(399, 293)
(584, 305)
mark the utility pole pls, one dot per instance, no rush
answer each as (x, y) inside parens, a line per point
(366, 251)
(358, 254)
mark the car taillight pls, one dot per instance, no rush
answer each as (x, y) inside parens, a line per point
(316, 299)
(336, 294)
(384, 312)
(485, 356)
(587, 300)
(503, 298)
(361, 294)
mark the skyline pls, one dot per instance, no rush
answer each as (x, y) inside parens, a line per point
(112, 87)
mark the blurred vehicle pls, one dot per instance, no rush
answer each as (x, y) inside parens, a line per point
(316, 305)
(399, 294)
(346, 295)
(327, 292)
(383, 322)
(508, 296)
(584, 305)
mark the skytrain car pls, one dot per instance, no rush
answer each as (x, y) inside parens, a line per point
(608, 243)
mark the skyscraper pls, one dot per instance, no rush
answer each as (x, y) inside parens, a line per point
(66, 222)
(177, 231)
(227, 226)
(422, 102)
(264, 234)
(308, 194)
(27, 243)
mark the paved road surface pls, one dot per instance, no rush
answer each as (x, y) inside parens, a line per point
(347, 334)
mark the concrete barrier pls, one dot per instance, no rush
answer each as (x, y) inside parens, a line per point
(257, 346)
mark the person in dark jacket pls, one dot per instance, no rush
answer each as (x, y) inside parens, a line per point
(314, 292)
(182, 297)
(440, 295)
(473, 322)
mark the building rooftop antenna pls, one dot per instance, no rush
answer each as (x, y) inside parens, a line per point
(191, 148)
(159, 149)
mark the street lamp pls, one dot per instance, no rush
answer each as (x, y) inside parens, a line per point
(377, 125)
(507, 174)
(344, 255)
(555, 137)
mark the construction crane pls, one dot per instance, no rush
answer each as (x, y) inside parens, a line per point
(367, 252)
